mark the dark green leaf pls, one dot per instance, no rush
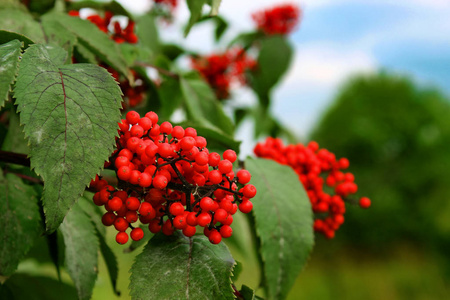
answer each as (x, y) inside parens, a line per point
(70, 115)
(6, 36)
(246, 39)
(19, 221)
(284, 223)
(110, 260)
(202, 106)
(9, 64)
(273, 62)
(170, 97)
(172, 51)
(84, 55)
(177, 267)
(236, 271)
(195, 7)
(93, 39)
(24, 286)
(93, 211)
(20, 21)
(247, 293)
(111, 6)
(15, 139)
(82, 245)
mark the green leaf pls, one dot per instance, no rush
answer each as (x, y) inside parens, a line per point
(19, 221)
(195, 7)
(93, 39)
(15, 139)
(177, 267)
(110, 260)
(147, 33)
(217, 140)
(17, 20)
(202, 106)
(273, 62)
(24, 286)
(246, 39)
(170, 97)
(70, 115)
(93, 211)
(7, 36)
(9, 64)
(82, 245)
(284, 223)
(57, 35)
(215, 4)
(112, 6)
(247, 293)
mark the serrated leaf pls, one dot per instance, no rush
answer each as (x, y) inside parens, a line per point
(82, 246)
(70, 115)
(20, 21)
(19, 221)
(15, 139)
(7, 36)
(273, 61)
(93, 39)
(247, 293)
(202, 106)
(284, 223)
(177, 267)
(110, 260)
(24, 286)
(195, 8)
(9, 64)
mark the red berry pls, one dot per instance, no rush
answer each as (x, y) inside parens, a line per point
(144, 180)
(364, 202)
(166, 128)
(204, 219)
(115, 203)
(137, 234)
(246, 206)
(108, 218)
(243, 176)
(225, 166)
(167, 228)
(226, 231)
(179, 222)
(189, 231)
(214, 159)
(120, 224)
(154, 226)
(215, 237)
(187, 143)
(207, 203)
(160, 182)
(131, 216)
(152, 116)
(176, 209)
(133, 117)
(230, 155)
(215, 177)
(191, 219)
(147, 210)
(133, 203)
(122, 238)
(249, 191)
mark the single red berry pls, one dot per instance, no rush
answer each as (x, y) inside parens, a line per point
(226, 231)
(220, 215)
(206, 203)
(364, 202)
(246, 206)
(137, 131)
(137, 234)
(187, 143)
(204, 219)
(120, 224)
(166, 128)
(154, 226)
(145, 123)
(144, 180)
(179, 222)
(167, 228)
(160, 182)
(147, 210)
(189, 231)
(200, 142)
(133, 117)
(115, 203)
(243, 176)
(176, 209)
(122, 237)
(190, 132)
(165, 150)
(133, 203)
(108, 218)
(249, 191)
(134, 177)
(214, 159)
(215, 237)
(131, 216)
(225, 166)
(230, 155)
(215, 177)
(178, 132)
(201, 158)
(191, 219)
(152, 116)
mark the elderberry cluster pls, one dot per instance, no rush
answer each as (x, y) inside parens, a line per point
(169, 180)
(315, 168)
(281, 19)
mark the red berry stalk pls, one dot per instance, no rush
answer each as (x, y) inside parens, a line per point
(315, 168)
(169, 180)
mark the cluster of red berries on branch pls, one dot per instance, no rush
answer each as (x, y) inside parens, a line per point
(222, 70)
(133, 95)
(280, 19)
(169, 180)
(316, 167)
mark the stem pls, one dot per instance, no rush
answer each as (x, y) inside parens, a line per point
(160, 70)
(15, 158)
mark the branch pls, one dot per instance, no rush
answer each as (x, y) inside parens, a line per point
(14, 158)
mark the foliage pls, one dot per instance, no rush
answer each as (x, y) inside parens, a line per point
(395, 134)
(68, 85)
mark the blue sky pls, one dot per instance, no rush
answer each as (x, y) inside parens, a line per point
(336, 39)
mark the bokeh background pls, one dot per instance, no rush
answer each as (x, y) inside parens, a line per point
(370, 82)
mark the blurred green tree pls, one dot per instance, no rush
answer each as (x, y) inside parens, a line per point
(397, 137)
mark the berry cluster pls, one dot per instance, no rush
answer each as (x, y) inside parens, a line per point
(222, 70)
(315, 168)
(278, 20)
(169, 180)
